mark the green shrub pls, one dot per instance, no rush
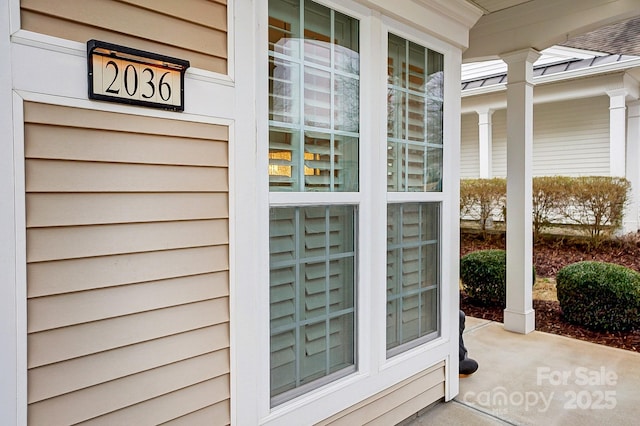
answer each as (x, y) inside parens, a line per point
(599, 295)
(484, 277)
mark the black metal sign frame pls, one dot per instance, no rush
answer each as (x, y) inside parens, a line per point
(148, 84)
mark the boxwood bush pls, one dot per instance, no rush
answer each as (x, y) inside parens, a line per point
(599, 295)
(484, 277)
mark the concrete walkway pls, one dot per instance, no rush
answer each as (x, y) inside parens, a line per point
(541, 379)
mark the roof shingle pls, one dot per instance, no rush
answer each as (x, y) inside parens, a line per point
(622, 38)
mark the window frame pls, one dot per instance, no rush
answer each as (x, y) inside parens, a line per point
(304, 198)
(405, 196)
(447, 197)
(375, 371)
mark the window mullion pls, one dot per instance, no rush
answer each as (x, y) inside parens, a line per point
(301, 71)
(405, 178)
(327, 287)
(332, 86)
(400, 279)
(296, 321)
(421, 247)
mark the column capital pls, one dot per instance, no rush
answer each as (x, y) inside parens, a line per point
(520, 65)
(617, 92)
(523, 55)
(617, 98)
(484, 115)
(485, 110)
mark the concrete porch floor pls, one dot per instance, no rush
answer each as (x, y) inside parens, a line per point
(540, 379)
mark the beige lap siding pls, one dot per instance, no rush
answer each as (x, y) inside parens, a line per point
(127, 268)
(396, 403)
(195, 30)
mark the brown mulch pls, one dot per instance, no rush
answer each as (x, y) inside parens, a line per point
(550, 255)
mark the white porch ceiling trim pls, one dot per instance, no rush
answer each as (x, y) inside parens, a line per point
(540, 24)
(449, 20)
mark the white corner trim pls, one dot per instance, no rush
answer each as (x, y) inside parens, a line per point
(20, 258)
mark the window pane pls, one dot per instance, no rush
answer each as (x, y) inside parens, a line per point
(413, 278)
(414, 117)
(284, 24)
(284, 154)
(312, 302)
(396, 113)
(317, 98)
(397, 61)
(314, 94)
(346, 103)
(284, 99)
(330, 162)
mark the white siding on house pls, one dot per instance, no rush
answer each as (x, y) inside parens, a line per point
(571, 138)
(499, 143)
(128, 268)
(469, 150)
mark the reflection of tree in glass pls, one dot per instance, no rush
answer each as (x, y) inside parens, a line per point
(435, 96)
(319, 96)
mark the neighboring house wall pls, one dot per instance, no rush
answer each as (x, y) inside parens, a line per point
(128, 269)
(499, 143)
(469, 153)
(570, 138)
(195, 30)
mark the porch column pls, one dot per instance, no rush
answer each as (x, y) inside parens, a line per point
(617, 131)
(485, 142)
(633, 171)
(519, 315)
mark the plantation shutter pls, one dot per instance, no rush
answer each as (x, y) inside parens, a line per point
(312, 321)
(283, 252)
(412, 271)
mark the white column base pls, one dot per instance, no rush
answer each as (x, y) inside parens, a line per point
(519, 322)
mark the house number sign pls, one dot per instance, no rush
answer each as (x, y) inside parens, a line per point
(131, 76)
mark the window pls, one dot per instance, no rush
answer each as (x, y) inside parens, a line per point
(313, 147)
(314, 92)
(317, 198)
(414, 164)
(413, 258)
(312, 279)
(415, 80)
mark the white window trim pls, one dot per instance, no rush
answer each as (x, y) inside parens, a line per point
(375, 372)
(449, 199)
